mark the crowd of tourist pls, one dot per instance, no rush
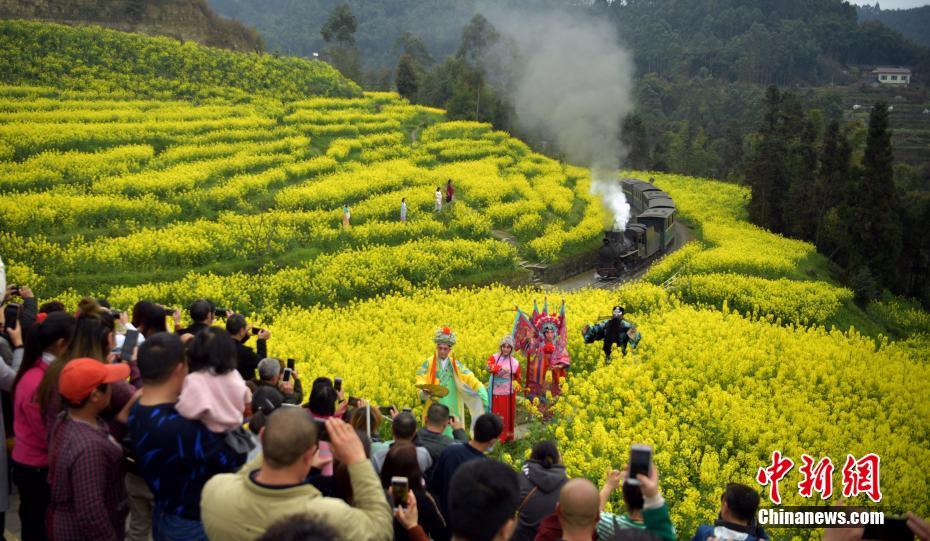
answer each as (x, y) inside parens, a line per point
(195, 435)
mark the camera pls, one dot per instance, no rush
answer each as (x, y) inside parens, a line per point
(14, 290)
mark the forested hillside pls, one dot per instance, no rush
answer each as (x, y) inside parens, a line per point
(914, 23)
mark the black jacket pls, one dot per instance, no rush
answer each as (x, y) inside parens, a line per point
(194, 328)
(435, 443)
(247, 359)
(541, 503)
(449, 462)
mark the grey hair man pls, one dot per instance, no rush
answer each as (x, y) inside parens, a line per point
(270, 374)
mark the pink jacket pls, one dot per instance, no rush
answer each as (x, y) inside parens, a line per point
(218, 401)
(31, 444)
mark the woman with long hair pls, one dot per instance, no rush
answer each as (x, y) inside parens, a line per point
(401, 461)
(94, 337)
(45, 343)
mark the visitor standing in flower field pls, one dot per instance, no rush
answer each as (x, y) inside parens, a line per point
(505, 371)
(542, 338)
(403, 209)
(345, 216)
(615, 330)
(444, 370)
(438, 199)
(450, 191)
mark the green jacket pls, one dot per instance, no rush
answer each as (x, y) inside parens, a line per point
(233, 507)
(656, 519)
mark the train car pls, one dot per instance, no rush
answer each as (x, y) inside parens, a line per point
(662, 222)
(650, 231)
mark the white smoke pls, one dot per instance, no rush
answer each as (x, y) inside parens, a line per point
(572, 84)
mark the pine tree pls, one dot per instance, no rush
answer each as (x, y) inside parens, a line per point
(833, 187)
(801, 209)
(876, 225)
(406, 81)
(766, 172)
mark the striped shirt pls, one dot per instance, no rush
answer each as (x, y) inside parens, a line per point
(610, 523)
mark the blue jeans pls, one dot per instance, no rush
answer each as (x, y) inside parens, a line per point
(168, 527)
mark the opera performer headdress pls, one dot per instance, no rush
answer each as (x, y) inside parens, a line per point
(444, 336)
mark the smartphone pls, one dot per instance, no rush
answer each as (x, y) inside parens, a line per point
(399, 490)
(291, 363)
(129, 344)
(10, 315)
(256, 330)
(337, 384)
(321, 433)
(894, 529)
(385, 410)
(353, 401)
(287, 374)
(640, 458)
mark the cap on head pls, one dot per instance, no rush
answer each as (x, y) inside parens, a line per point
(80, 377)
(444, 336)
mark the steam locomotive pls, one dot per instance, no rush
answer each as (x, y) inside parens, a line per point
(649, 233)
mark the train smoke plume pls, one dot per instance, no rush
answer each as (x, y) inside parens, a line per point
(572, 84)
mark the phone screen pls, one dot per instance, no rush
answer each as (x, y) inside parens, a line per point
(385, 410)
(291, 363)
(321, 432)
(399, 490)
(640, 458)
(287, 374)
(337, 384)
(129, 344)
(10, 315)
(894, 529)
(256, 330)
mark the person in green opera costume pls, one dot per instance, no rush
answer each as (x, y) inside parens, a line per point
(464, 389)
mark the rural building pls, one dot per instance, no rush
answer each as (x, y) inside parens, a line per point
(892, 76)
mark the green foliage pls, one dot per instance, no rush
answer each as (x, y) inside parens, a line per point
(875, 227)
(865, 287)
(914, 23)
(340, 26)
(339, 33)
(406, 81)
(102, 60)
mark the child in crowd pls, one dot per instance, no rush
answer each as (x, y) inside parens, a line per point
(214, 393)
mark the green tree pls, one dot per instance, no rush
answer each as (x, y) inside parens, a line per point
(412, 46)
(339, 33)
(767, 172)
(340, 26)
(833, 187)
(875, 224)
(406, 80)
(478, 36)
(634, 139)
(802, 205)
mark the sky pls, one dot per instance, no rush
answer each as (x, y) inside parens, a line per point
(893, 4)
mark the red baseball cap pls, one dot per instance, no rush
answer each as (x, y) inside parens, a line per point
(80, 377)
